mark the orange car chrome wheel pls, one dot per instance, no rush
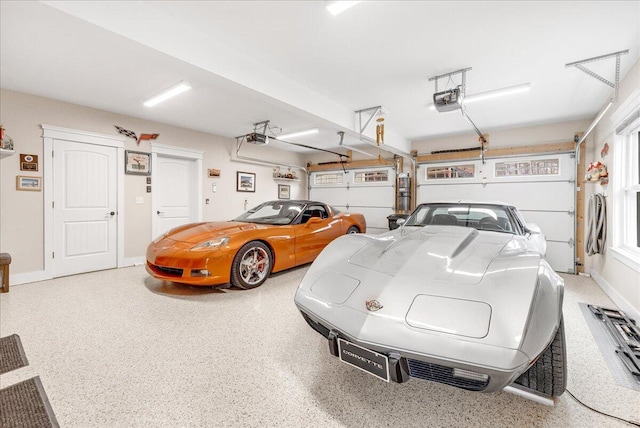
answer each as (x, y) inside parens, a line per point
(251, 265)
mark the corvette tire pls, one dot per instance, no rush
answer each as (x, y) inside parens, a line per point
(251, 265)
(549, 373)
(353, 229)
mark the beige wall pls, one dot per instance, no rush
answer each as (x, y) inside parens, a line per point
(22, 212)
(620, 281)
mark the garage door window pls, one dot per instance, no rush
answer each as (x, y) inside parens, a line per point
(329, 178)
(371, 177)
(528, 168)
(451, 172)
(626, 199)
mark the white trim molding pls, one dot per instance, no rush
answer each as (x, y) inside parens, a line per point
(617, 298)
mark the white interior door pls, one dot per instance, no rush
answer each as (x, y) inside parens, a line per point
(85, 211)
(175, 193)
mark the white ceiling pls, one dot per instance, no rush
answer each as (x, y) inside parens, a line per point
(296, 65)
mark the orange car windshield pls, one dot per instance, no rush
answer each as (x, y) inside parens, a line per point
(275, 212)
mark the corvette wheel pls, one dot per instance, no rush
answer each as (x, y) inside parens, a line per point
(549, 373)
(251, 265)
(352, 229)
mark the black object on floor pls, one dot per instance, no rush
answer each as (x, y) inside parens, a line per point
(25, 404)
(625, 333)
(12, 355)
(608, 347)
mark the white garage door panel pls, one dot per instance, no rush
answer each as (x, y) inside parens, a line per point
(374, 199)
(556, 226)
(376, 218)
(560, 256)
(547, 200)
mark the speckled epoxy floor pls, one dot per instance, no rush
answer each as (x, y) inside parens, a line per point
(120, 349)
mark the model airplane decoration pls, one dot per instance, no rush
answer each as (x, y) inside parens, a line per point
(133, 135)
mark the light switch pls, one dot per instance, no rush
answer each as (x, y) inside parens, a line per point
(139, 200)
(214, 187)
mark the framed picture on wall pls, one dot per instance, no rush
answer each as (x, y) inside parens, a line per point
(245, 182)
(137, 163)
(284, 191)
(28, 183)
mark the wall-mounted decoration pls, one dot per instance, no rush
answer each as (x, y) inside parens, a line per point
(286, 175)
(137, 163)
(28, 183)
(133, 135)
(6, 143)
(245, 182)
(213, 173)
(28, 162)
(284, 191)
(605, 150)
(597, 171)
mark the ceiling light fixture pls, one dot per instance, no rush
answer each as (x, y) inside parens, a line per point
(169, 93)
(510, 90)
(336, 7)
(297, 134)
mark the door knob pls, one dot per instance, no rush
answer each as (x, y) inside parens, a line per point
(112, 213)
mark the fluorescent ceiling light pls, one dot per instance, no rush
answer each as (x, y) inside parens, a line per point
(336, 7)
(169, 93)
(297, 134)
(496, 93)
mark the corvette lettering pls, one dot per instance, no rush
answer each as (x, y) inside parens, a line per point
(363, 359)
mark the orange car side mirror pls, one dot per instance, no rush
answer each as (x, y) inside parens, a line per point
(314, 220)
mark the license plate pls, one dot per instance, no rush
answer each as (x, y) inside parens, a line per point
(364, 359)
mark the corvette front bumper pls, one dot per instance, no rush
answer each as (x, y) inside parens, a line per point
(404, 365)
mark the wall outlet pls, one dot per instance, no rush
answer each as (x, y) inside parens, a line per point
(139, 200)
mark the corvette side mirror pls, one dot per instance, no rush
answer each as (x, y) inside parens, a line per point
(314, 220)
(533, 228)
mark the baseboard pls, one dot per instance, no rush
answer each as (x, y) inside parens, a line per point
(134, 261)
(41, 275)
(617, 298)
(27, 277)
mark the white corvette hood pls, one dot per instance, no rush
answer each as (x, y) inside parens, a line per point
(459, 254)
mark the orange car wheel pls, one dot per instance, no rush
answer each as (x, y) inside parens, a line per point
(251, 265)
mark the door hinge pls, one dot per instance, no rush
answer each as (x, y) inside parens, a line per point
(51, 153)
(53, 204)
(53, 255)
(571, 212)
(571, 242)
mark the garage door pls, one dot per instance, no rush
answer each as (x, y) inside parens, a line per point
(542, 187)
(368, 191)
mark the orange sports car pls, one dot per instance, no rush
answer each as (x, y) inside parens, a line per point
(271, 237)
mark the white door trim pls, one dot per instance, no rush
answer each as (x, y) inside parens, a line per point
(178, 152)
(50, 133)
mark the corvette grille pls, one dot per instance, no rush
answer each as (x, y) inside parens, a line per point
(316, 326)
(459, 378)
(169, 271)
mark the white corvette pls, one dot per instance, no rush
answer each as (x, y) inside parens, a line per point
(459, 294)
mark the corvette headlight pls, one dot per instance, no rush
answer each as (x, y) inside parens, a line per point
(211, 244)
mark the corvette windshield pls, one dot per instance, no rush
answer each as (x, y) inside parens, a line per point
(482, 217)
(276, 212)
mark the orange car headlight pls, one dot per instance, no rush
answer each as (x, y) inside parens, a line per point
(211, 244)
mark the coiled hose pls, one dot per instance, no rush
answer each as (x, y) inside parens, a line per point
(597, 220)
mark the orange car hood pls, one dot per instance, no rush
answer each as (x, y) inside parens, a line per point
(199, 232)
